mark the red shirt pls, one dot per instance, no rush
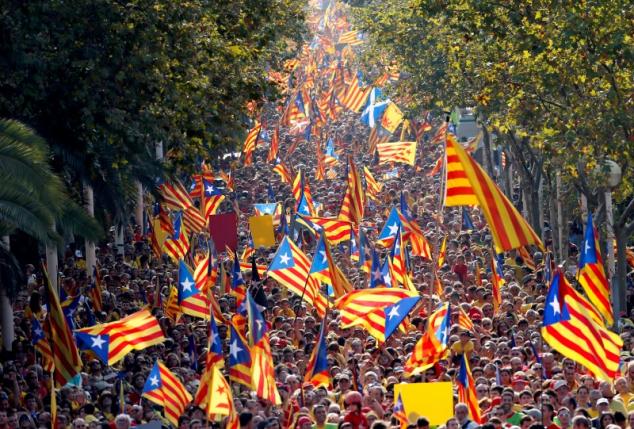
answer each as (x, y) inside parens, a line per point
(357, 420)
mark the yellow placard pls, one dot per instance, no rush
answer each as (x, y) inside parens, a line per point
(431, 400)
(262, 230)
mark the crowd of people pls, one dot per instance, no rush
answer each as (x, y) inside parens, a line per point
(520, 382)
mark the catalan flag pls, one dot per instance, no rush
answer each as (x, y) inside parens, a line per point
(467, 223)
(284, 172)
(262, 369)
(367, 308)
(202, 272)
(212, 198)
(376, 274)
(65, 355)
(365, 252)
(468, 184)
(323, 269)
(356, 96)
(95, 290)
(250, 143)
(571, 327)
(41, 345)
(527, 258)
(215, 356)
(354, 199)
(239, 358)
(275, 145)
(290, 268)
(377, 135)
(177, 245)
(401, 152)
(317, 370)
(390, 228)
(163, 388)
(372, 187)
(353, 37)
(432, 346)
(397, 260)
(214, 395)
(413, 232)
(592, 275)
(442, 253)
(172, 309)
(336, 230)
(496, 284)
(191, 299)
(193, 220)
(134, 332)
(466, 390)
(175, 196)
(398, 412)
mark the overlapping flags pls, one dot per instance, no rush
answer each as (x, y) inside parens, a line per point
(41, 345)
(432, 346)
(191, 299)
(317, 369)
(165, 389)
(398, 412)
(250, 143)
(239, 358)
(591, 274)
(134, 332)
(373, 188)
(378, 310)
(467, 391)
(65, 355)
(323, 268)
(290, 267)
(353, 204)
(575, 329)
(175, 196)
(177, 245)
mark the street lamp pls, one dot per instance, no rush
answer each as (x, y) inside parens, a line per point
(611, 171)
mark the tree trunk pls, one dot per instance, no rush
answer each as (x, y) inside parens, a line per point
(554, 229)
(138, 212)
(6, 309)
(560, 220)
(540, 205)
(89, 204)
(619, 281)
(119, 238)
(158, 150)
(488, 162)
(52, 264)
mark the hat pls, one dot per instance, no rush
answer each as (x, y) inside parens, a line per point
(559, 384)
(603, 401)
(302, 420)
(519, 378)
(90, 419)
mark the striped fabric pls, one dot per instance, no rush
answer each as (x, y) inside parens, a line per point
(175, 196)
(354, 199)
(165, 389)
(201, 272)
(290, 267)
(317, 369)
(352, 37)
(527, 258)
(193, 220)
(401, 152)
(214, 394)
(377, 135)
(42, 345)
(496, 285)
(275, 146)
(466, 390)
(441, 134)
(365, 307)
(324, 270)
(250, 142)
(372, 187)
(65, 355)
(239, 358)
(177, 245)
(284, 172)
(95, 290)
(134, 332)
(592, 274)
(432, 346)
(336, 230)
(468, 184)
(413, 232)
(571, 327)
(356, 96)
(171, 307)
(212, 204)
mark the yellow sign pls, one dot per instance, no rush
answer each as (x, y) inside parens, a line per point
(417, 403)
(262, 230)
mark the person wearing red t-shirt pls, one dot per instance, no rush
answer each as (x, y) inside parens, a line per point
(461, 269)
(353, 403)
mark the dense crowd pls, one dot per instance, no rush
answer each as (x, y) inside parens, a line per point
(515, 387)
(519, 381)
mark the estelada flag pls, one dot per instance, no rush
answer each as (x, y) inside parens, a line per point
(223, 229)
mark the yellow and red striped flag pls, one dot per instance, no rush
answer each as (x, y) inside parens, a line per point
(214, 395)
(573, 327)
(212, 204)
(290, 267)
(496, 285)
(432, 346)
(42, 345)
(527, 258)
(66, 358)
(402, 152)
(336, 230)
(171, 307)
(134, 332)
(373, 188)
(442, 253)
(466, 390)
(592, 274)
(275, 145)
(377, 135)
(354, 199)
(193, 220)
(166, 390)
(250, 142)
(356, 96)
(175, 196)
(353, 37)
(468, 184)
(366, 308)
(284, 172)
(177, 245)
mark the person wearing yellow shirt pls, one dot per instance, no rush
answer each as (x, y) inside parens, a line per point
(464, 346)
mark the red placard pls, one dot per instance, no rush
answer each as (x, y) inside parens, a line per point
(223, 229)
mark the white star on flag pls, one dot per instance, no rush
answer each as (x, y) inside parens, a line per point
(555, 305)
(285, 259)
(234, 349)
(393, 312)
(98, 342)
(187, 285)
(393, 229)
(154, 380)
